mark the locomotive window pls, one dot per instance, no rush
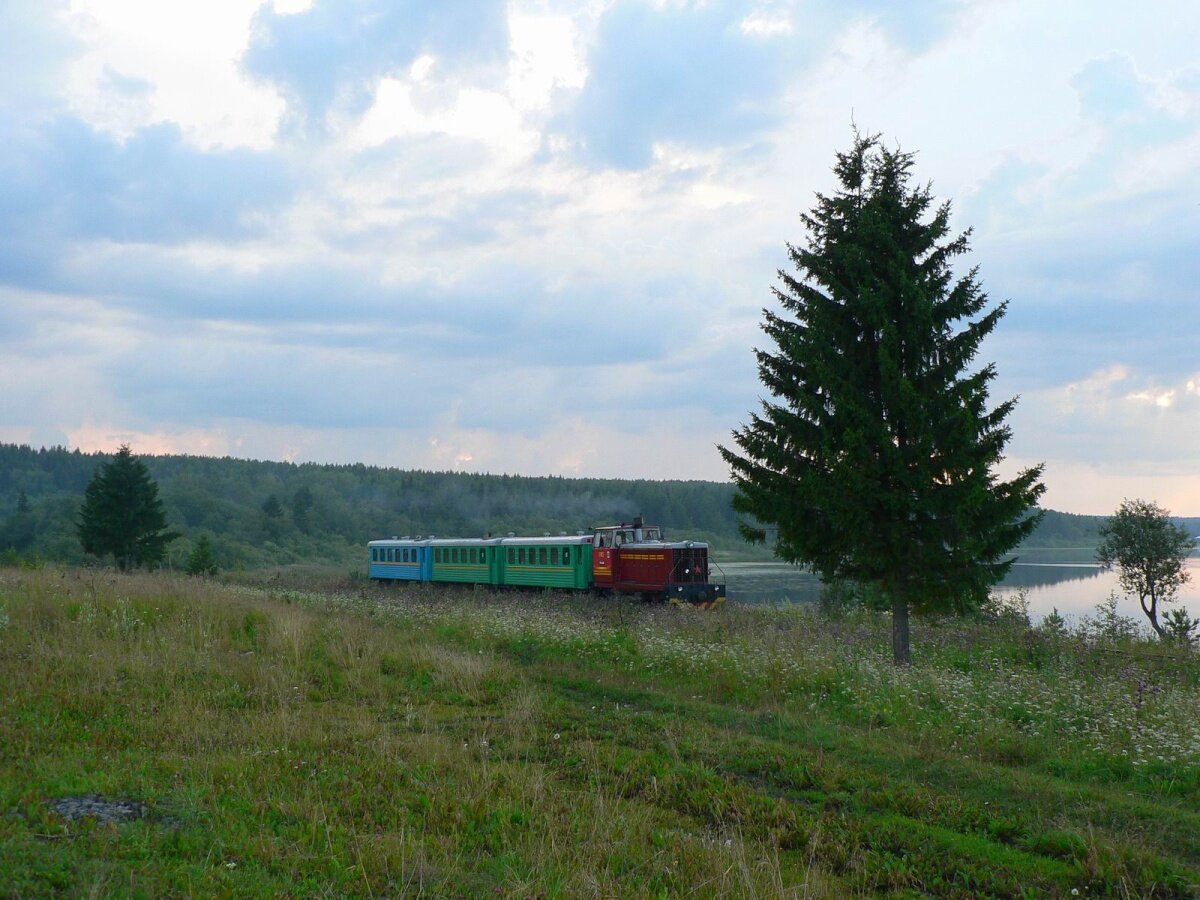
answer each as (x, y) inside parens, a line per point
(512, 556)
(521, 556)
(542, 556)
(566, 556)
(554, 556)
(437, 554)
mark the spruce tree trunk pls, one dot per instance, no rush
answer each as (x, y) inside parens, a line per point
(901, 655)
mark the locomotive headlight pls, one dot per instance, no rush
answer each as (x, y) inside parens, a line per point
(687, 571)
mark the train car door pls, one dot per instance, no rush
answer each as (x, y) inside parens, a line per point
(603, 557)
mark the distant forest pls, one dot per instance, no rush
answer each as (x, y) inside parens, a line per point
(261, 514)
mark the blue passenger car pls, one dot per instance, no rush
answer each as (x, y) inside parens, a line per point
(400, 559)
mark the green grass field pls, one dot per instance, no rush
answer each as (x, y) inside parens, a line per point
(421, 742)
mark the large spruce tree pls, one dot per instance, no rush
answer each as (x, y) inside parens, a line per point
(122, 515)
(875, 460)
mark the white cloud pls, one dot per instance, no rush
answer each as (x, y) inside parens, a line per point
(767, 23)
(402, 109)
(547, 56)
(291, 7)
(186, 54)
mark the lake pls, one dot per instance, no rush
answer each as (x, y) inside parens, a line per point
(1065, 578)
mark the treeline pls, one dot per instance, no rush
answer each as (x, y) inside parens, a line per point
(271, 513)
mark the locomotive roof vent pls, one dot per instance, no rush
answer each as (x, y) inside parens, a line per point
(394, 538)
(512, 534)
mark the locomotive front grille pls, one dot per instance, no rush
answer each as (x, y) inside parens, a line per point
(691, 566)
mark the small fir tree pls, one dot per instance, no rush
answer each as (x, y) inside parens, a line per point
(302, 503)
(875, 462)
(18, 531)
(202, 560)
(272, 517)
(122, 515)
(1179, 627)
(272, 508)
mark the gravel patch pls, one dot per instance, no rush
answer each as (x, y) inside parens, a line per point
(102, 809)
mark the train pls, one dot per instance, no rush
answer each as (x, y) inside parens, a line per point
(629, 558)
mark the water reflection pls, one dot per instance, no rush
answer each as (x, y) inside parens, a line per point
(1034, 575)
(1064, 579)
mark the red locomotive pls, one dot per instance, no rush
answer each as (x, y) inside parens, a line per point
(634, 559)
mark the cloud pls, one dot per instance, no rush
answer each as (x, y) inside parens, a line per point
(333, 54)
(674, 73)
(143, 64)
(153, 187)
(35, 45)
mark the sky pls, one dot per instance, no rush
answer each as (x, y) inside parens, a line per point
(537, 237)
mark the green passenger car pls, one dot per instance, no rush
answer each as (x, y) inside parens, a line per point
(547, 562)
(466, 561)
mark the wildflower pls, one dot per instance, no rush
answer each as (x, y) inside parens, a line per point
(556, 735)
(231, 865)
